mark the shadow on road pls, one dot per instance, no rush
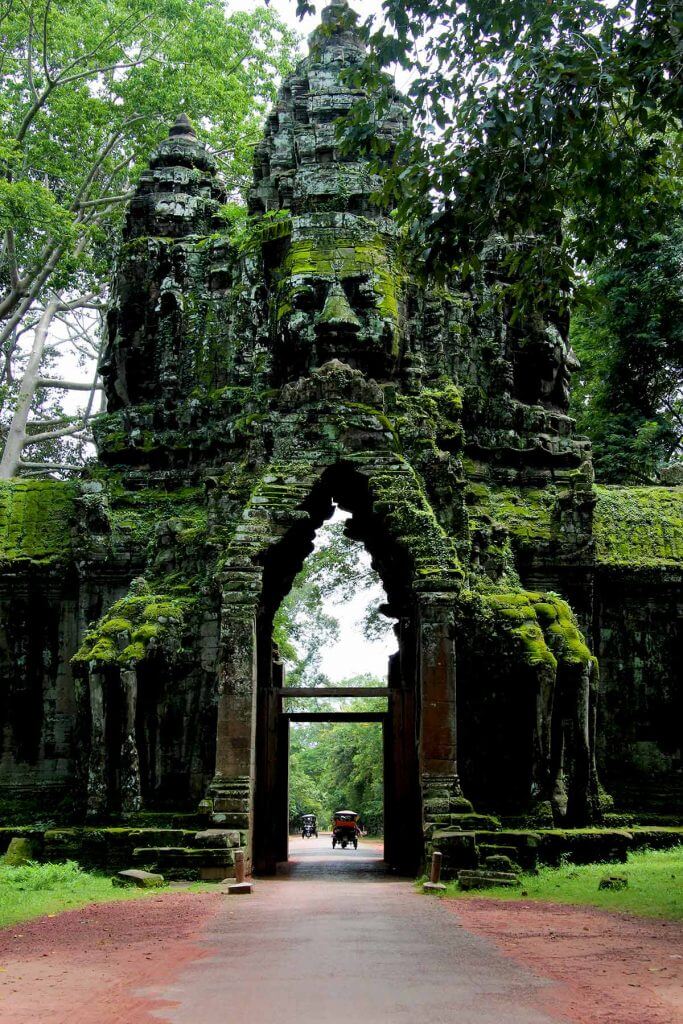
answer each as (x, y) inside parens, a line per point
(315, 859)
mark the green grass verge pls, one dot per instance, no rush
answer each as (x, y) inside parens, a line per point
(37, 889)
(655, 885)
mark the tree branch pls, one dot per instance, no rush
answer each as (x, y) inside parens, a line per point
(66, 385)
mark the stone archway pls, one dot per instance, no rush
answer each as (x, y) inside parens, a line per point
(419, 571)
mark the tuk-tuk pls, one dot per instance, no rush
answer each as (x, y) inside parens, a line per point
(345, 829)
(309, 826)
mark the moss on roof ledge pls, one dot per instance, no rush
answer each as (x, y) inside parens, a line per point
(36, 517)
(639, 527)
(137, 625)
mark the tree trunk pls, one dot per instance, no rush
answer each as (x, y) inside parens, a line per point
(16, 436)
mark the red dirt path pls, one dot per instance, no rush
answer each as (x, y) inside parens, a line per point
(89, 966)
(85, 966)
(613, 968)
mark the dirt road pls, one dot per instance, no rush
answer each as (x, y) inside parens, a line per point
(332, 938)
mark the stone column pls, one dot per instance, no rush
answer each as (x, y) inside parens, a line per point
(437, 716)
(131, 796)
(579, 803)
(97, 761)
(232, 788)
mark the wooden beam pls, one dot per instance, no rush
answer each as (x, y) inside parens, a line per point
(333, 691)
(336, 716)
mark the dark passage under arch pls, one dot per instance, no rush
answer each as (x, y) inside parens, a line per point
(349, 490)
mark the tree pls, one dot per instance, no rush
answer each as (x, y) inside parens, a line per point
(305, 622)
(331, 764)
(543, 120)
(86, 90)
(628, 334)
(339, 765)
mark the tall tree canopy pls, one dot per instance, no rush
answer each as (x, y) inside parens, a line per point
(628, 334)
(87, 87)
(547, 120)
(305, 623)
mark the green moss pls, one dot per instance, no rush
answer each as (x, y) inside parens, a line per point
(114, 626)
(528, 513)
(639, 526)
(348, 257)
(541, 626)
(132, 653)
(134, 514)
(533, 643)
(101, 649)
(136, 621)
(146, 632)
(36, 517)
(163, 609)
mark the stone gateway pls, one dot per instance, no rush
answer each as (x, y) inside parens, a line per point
(256, 377)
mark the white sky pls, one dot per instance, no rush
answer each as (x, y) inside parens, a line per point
(352, 654)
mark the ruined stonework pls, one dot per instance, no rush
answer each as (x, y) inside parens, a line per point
(253, 378)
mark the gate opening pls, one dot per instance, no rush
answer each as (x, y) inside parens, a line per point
(331, 649)
(337, 766)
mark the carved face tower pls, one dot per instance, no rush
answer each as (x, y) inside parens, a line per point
(333, 271)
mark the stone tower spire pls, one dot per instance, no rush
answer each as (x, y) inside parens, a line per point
(179, 193)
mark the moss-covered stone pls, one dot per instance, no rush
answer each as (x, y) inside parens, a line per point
(36, 520)
(639, 527)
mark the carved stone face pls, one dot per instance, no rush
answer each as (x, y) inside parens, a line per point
(544, 368)
(337, 301)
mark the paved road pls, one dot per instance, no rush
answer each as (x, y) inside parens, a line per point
(335, 939)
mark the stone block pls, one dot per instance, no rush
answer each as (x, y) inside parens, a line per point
(499, 862)
(615, 882)
(458, 849)
(240, 888)
(436, 805)
(526, 845)
(585, 846)
(19, 852)
(484, 879)
(475, 821)
(230, 820)
(212, 873)
(493, 850)
(217, 838)
(460, 805)
(138, 877)
(433, 887)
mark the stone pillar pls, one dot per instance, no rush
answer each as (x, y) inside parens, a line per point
(441, 793)
(97, 761)
(436, 667)
(579, 810)
(131, 796)
(232, 787)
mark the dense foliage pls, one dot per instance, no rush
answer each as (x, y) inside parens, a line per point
(87, 89)
(628, 334)
(548, 121)
(305, 622)
(336, 765)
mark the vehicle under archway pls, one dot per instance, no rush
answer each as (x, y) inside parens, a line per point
(389, 701)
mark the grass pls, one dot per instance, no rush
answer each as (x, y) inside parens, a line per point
(655, 885)
(36, 889)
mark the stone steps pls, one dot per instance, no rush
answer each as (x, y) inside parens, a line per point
(207, 864)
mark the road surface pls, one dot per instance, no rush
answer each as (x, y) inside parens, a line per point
(334, 939)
